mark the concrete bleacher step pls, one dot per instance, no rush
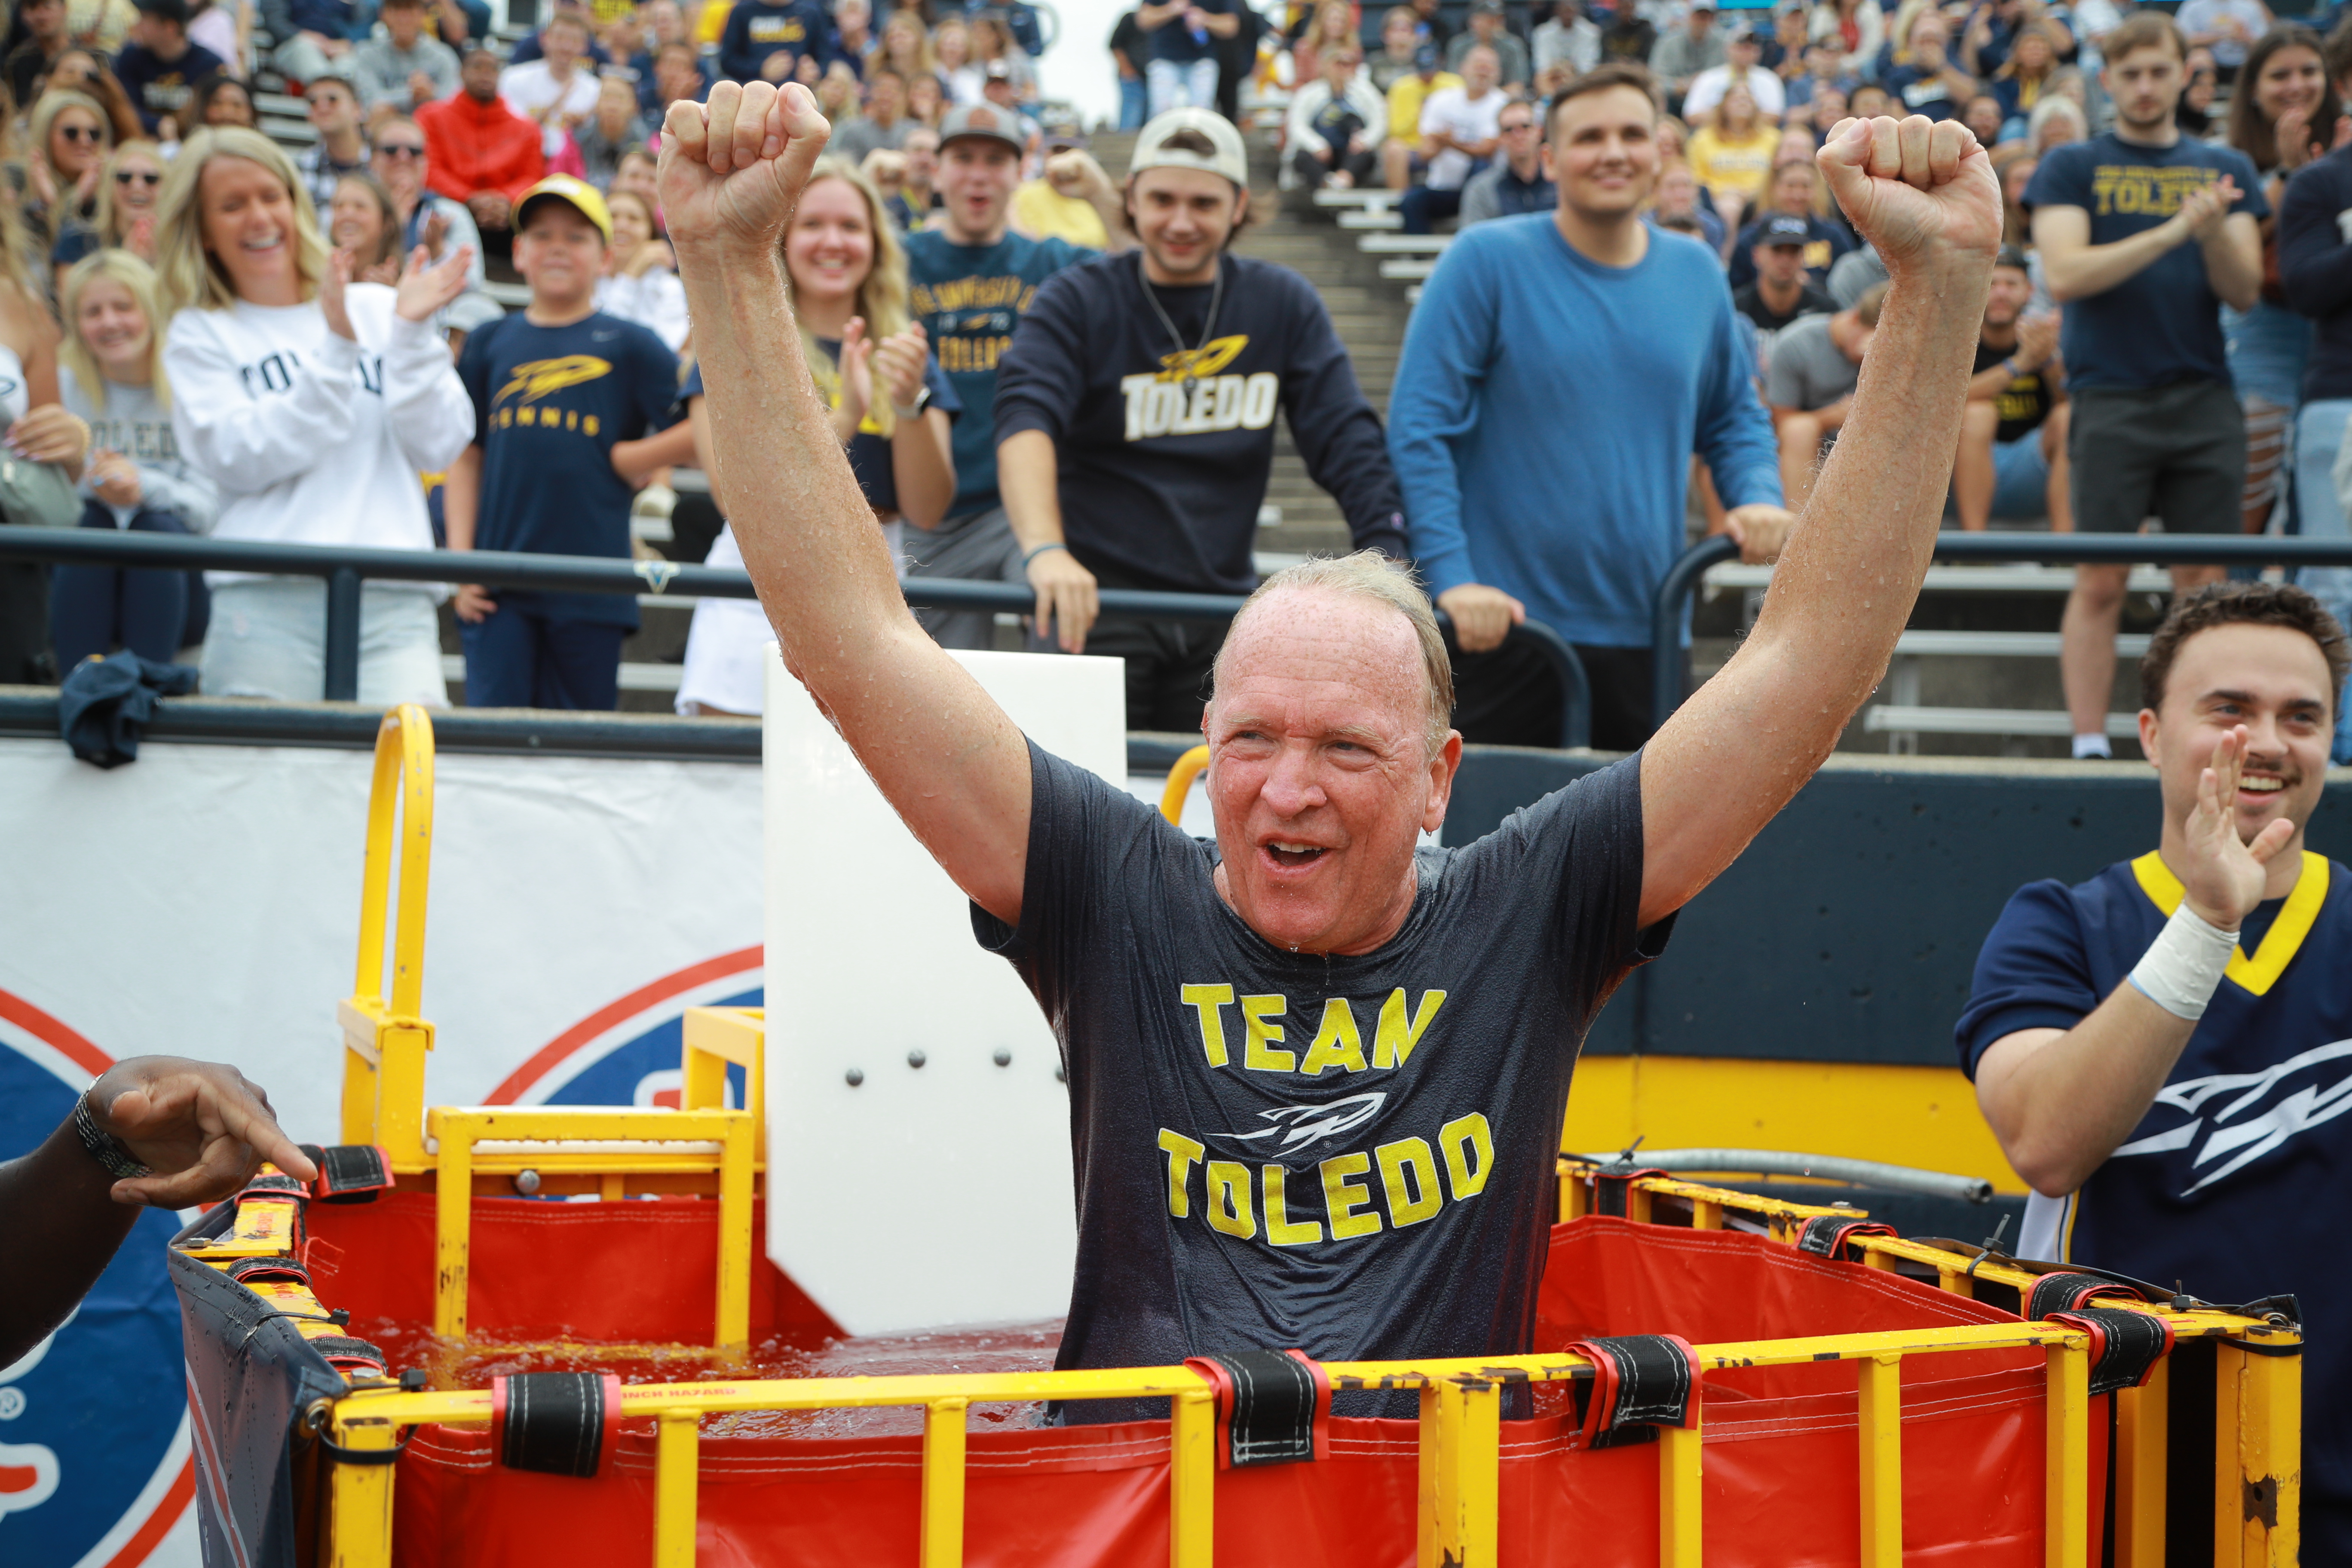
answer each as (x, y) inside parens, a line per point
(1405, 243)
(1407, 271)
(1999, 645)
(1372, 218)
(1889, 717)
(2019, 579)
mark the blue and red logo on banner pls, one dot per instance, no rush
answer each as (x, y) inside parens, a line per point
(95, 1466)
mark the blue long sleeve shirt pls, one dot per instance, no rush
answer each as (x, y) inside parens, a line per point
(1545, 413)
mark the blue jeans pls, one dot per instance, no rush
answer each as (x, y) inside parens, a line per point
(1134, 102)
(1191, 84)
(97, 609)
(519, 658)
(2319, 440)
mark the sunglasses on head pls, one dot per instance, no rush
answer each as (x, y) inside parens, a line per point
(147, 177)
(400, 149)
(80, 133)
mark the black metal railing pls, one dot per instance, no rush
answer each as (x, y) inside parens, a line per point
(345, 571)
(1670, 664)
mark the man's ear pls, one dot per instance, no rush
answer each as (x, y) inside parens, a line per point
(1443, 768)
(2148, 733)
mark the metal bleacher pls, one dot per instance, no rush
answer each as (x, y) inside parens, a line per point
(1897, 712)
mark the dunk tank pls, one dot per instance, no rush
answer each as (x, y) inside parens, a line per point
(807, 1314)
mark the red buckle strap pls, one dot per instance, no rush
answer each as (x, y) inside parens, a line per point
(1639, 1383)
(1827, 1234)
(1274, 1407)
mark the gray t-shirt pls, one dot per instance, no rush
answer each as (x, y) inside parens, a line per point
(1347, 1155)
(1809, 371)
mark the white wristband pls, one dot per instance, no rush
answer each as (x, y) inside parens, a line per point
(2184, 963)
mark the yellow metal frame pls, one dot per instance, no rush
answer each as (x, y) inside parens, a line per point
(2257, 1471)
(1460, 1463)
(702, 1146)
(2257, 1474)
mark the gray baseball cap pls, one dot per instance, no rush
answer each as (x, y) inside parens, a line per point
(1227, 156)
(984, 121)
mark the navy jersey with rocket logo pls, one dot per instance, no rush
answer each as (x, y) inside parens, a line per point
(2232, 1183)
(1352, 1155)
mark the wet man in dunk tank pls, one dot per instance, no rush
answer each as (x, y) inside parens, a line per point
(1316, 1077)
(2166, 1051)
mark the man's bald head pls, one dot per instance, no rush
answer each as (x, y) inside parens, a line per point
(1407, 631)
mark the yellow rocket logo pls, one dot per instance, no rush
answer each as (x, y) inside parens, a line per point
(540, 377)
(1203, 362)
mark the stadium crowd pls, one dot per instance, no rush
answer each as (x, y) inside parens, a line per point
(1046, 379)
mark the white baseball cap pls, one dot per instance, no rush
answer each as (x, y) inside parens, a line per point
(1228, 157)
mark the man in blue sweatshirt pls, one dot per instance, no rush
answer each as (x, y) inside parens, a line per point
(765, 39)
(2315, 255)
(1556, 376)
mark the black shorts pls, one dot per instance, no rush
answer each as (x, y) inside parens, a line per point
(2174, 452)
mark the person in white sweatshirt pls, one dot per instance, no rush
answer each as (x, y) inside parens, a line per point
(1337, 123)
(111, 375)
(313, 403)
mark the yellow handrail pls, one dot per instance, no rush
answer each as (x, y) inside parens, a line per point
(403, 788)
(1179, 784)
(385, 1037)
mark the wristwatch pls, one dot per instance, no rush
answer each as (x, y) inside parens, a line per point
(105, 1147)
(922, 399)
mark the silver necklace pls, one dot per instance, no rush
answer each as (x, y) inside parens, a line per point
(1188, 358)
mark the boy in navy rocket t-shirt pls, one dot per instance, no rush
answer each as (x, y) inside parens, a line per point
(563, 396)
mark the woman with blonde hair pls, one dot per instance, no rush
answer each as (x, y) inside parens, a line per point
(128, 189)
(1331, 24)
(958, 72)
(1731, 154)
(892, 408)
(39, 430)
(640, 282)
(69, 141)
(905, 45)
(111, 374)
(312, 402)
(2026, 75)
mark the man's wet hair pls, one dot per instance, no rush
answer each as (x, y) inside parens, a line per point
(2243, 604)
(1368, 574)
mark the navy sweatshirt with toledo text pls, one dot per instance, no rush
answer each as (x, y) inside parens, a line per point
(1165, 447)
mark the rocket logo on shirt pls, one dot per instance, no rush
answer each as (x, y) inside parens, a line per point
(1188, 397)
(777, 30)
(2235, 1119)
(517, 402)
(1397, 1183)
(2143, 192)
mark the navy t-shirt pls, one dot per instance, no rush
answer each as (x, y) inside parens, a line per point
(1176, 43)
(549, 403)
(870, 449)
(2230, 1183)
(2162, 326)
(1347, 1155)
(970, 298)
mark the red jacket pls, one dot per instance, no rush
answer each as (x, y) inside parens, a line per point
(475, 147)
